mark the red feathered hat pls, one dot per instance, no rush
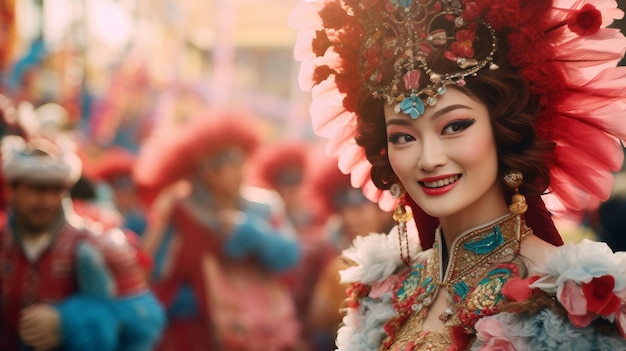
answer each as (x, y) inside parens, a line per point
(172, 154)
(285, 162)
(332, 189)
(113, 163)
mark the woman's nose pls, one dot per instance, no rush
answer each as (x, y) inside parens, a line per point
(432, 155)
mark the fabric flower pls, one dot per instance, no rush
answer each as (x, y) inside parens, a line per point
(413, 106)
(581, 263)
(489, 331)
(473, 9)
(385, 286)
(621, 321)
(574, 302)
(599, 295)
(586, 21)
(503, 13)
(518, 289)
(620, 316)
(463, 46)
(544, 331)
(355, 292)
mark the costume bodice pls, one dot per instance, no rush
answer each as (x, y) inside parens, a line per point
(481, 260)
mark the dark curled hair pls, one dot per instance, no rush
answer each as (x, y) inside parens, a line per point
(512, 110)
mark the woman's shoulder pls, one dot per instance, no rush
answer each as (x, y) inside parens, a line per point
(536, 252)
(577, 295)
(582, 261)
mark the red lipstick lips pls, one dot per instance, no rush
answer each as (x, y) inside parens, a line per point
(439, 185)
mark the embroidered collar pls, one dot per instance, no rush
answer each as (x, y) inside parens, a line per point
(476, 271)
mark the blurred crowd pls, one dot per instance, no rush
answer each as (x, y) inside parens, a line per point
(235, 239)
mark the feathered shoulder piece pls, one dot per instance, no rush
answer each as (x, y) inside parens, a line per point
(576, 302)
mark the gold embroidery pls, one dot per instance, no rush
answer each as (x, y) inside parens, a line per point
(481, 261)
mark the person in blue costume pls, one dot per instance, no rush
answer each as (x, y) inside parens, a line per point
(62, 286)
(220, 246)
(478, 121)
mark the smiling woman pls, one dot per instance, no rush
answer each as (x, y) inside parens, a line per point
(447, 161)
(475, 115)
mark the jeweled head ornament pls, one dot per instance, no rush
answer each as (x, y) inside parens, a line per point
(401, 35)
(563, 49)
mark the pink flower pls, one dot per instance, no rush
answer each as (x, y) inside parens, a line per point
(621, 313)
(354, 293)
(621, 320)
(489, 330)
(518, 289)
(574, 302)
(384, 286)
(600, 296)
(503, 13)
(463, 46)
(472, 10)
(586, 21)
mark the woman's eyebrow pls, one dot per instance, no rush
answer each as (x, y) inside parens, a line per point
(447, 109)
(437, 114)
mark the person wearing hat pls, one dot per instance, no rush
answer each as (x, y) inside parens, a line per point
(484, 120)
(61, 286)
(219, 245)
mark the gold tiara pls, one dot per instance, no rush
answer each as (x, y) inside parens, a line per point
(393, 42)
(407, 32)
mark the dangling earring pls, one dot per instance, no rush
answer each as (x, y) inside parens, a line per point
(514, 180)
(401, 216)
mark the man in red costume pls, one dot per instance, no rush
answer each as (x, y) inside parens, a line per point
(63, 287)
(219, 246)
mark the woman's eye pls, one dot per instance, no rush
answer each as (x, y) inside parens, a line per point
(457, 126)
(400, 138)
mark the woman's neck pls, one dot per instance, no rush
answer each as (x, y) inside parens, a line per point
(474, 216)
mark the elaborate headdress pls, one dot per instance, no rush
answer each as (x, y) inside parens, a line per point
(562, 48)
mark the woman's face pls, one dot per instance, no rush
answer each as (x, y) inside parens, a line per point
(446, 159)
